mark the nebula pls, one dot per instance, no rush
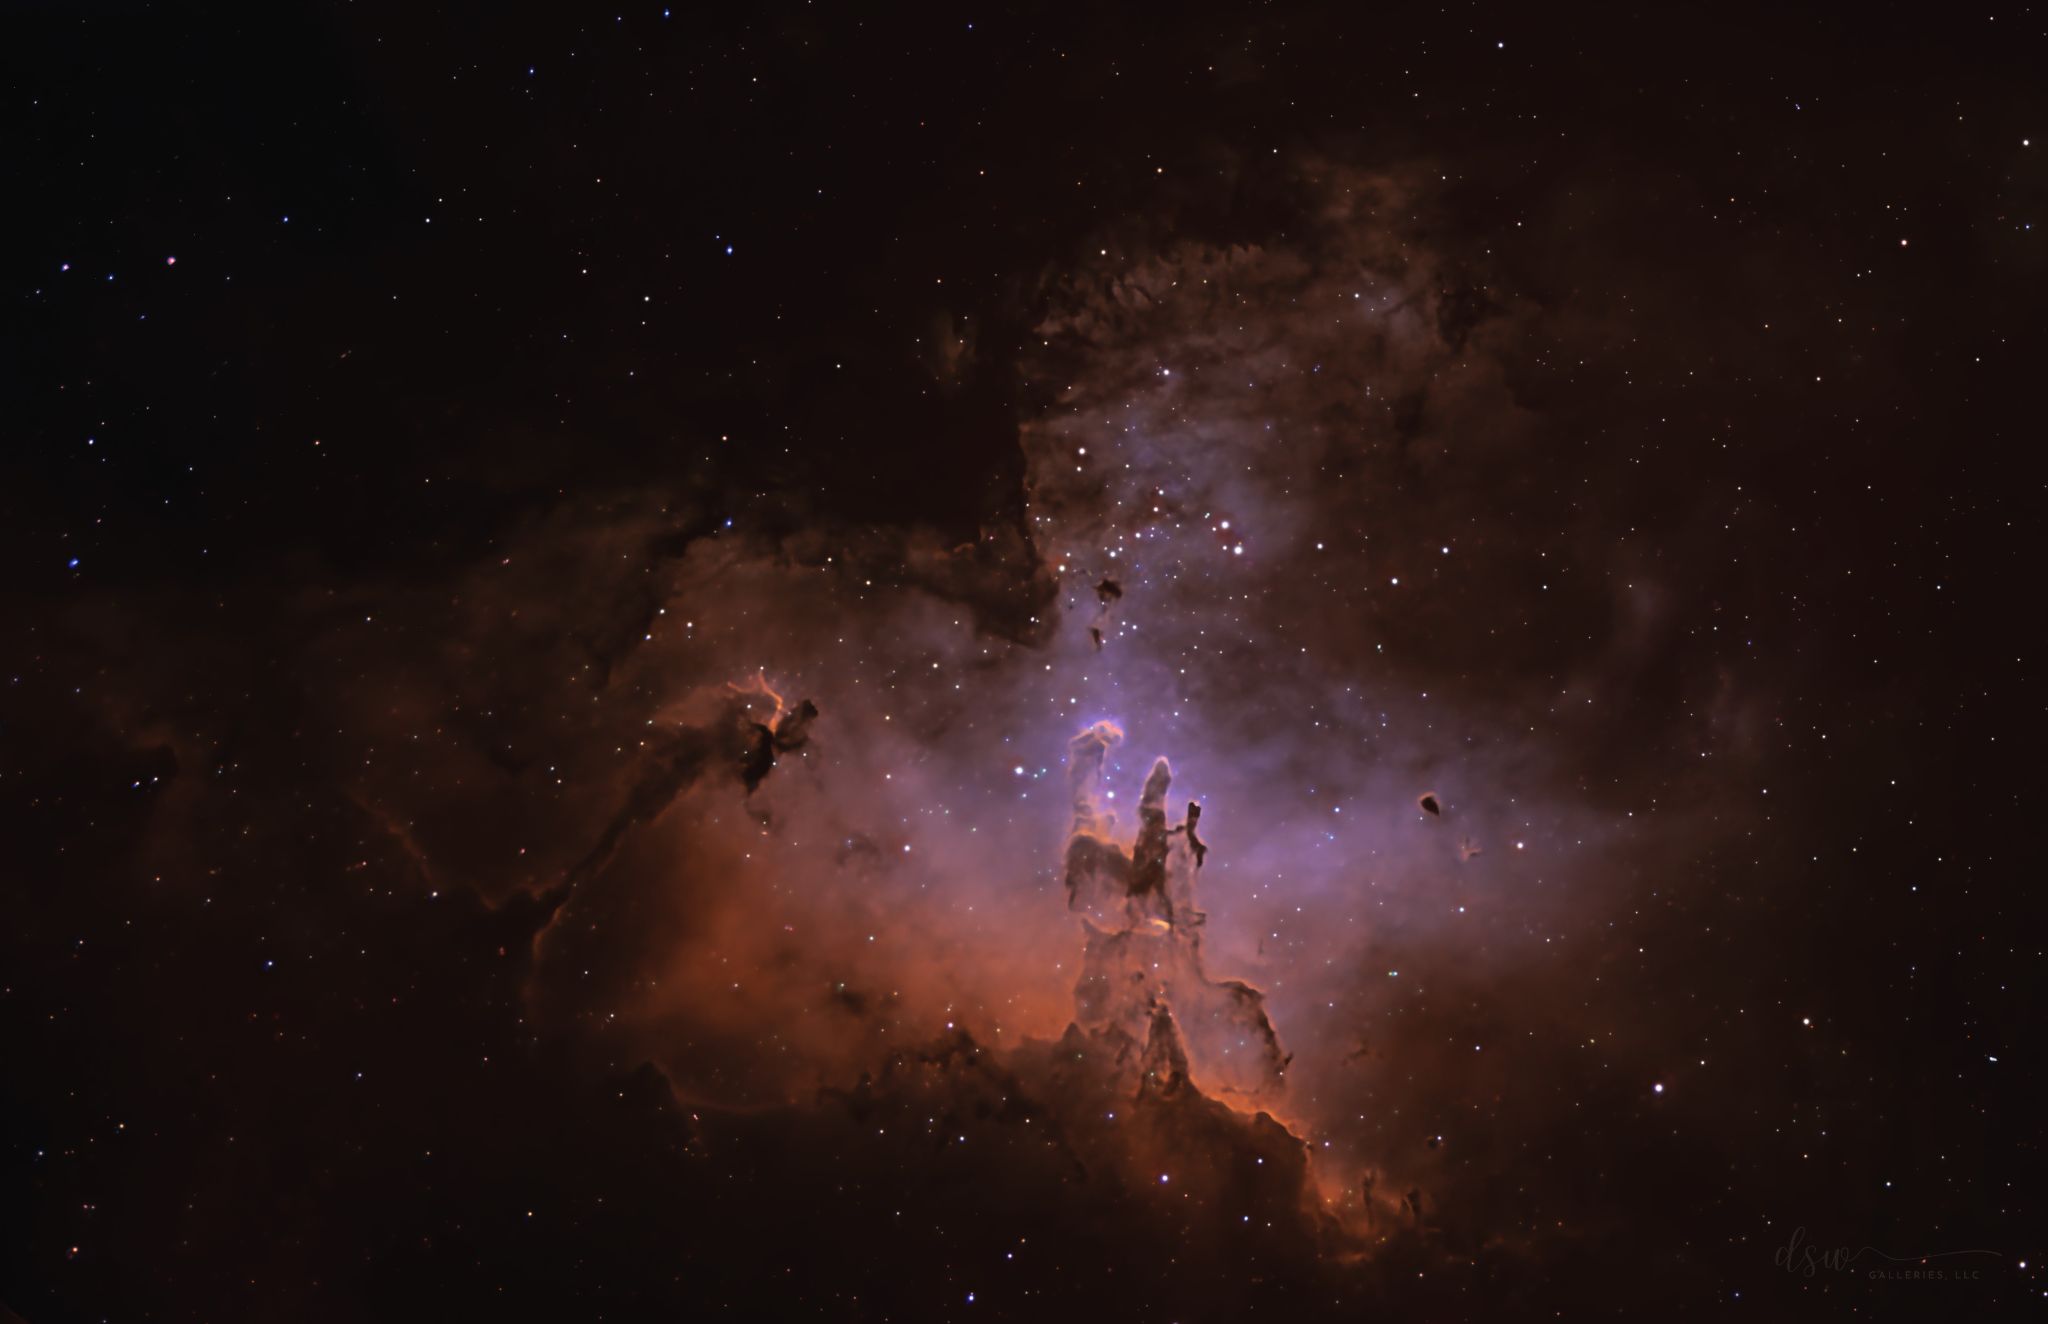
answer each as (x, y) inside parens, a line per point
(1243, 543)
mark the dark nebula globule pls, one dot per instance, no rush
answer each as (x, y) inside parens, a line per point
(886, 663)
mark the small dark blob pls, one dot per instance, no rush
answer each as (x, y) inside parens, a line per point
(790, 732)
(1095, 634)
(1427, 802)
(1436, 1142)
(1109, 590)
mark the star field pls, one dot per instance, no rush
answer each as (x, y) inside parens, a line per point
(911, 664)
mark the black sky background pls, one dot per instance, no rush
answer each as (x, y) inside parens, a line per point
(442, 275)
